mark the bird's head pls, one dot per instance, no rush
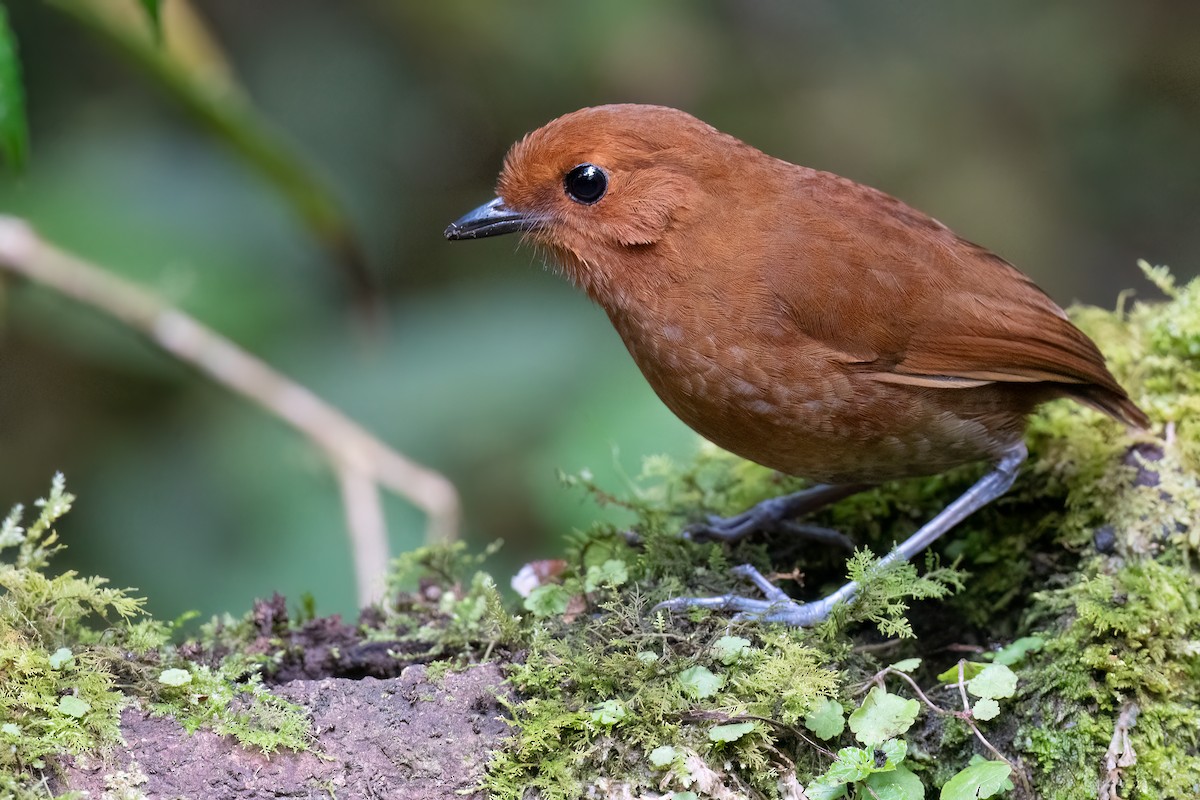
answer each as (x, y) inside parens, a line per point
(602, 187)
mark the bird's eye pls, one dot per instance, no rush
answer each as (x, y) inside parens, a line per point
(586, 184)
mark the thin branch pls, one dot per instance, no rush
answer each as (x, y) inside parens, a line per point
(356, 455)
(367, 528)
(924, 699)
(962, 685)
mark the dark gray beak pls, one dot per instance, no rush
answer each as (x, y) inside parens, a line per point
(490, 219)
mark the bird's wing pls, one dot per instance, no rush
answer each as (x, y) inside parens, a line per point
(906, 301)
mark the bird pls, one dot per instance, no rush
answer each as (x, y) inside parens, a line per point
(796, 318)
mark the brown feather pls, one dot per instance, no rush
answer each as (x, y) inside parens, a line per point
(795, 317)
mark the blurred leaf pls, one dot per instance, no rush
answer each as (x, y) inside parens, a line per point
(550, 600)
(153, 9)
(1015, 652)
(196, 77)
(611, 573)
(14, 129)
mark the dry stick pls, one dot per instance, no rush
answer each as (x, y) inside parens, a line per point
(361, 461)
(1120, 754)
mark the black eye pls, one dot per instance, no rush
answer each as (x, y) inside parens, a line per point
(586, 184)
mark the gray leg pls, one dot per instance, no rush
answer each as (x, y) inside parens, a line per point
(774, 515)
(779, 608)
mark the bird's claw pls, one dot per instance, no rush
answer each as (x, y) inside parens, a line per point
(731, 529)
(777, 607)
(722, 529)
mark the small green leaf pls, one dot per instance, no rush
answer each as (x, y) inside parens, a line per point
(647, 656)
(995, 680)
(73, 706)
(10, 729)
(731, 732)
(825, 791)
(899, 784)
(892, 752)
(62, 657)
(730, 649)
(977, 781)
(609, 713)
(852, 764)
(548, 600)
(882, 716)
(827, 720)
(663, 755)
(700, 683)
(611, 573)
(175, 677)
(970, 670)
(985, 709)
(1016, 652)
(907, 665)
(14, 128)
(684, 796)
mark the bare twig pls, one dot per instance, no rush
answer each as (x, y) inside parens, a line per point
(361, 461)
(1120, 754)
(924, 699)
(962, 684)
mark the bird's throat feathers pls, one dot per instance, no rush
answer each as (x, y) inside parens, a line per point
(617, 282)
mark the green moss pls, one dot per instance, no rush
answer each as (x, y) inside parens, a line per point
(74, 653)
(626, 685)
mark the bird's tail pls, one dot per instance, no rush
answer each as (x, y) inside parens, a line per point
(1116, 404)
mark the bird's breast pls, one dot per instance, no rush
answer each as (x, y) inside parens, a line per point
(774, 399)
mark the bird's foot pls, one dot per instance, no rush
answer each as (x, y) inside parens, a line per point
(777, 607)
(776, 515)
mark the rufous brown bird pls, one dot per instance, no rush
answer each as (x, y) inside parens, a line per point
(794, 317)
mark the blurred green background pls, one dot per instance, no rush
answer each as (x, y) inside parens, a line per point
(1063, 136)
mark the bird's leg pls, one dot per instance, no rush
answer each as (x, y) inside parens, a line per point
(776, 515)
(778, 607)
